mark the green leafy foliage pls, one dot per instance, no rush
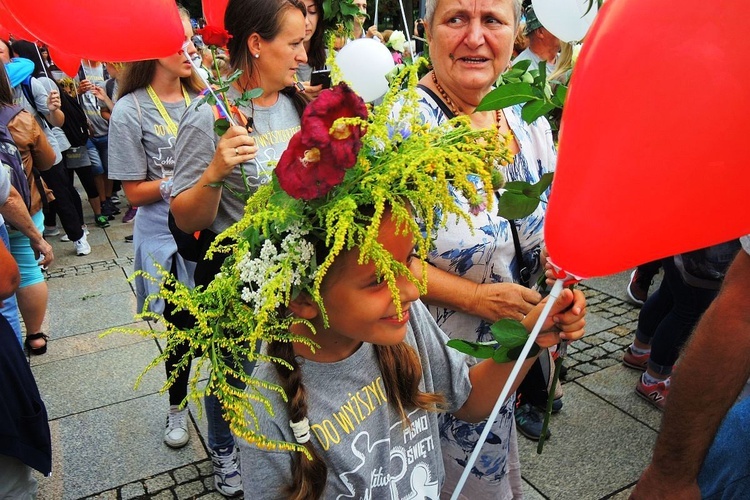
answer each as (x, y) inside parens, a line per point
(521, 198)
(221, 125)
(510, 337)
(340, 15)
(529, 86)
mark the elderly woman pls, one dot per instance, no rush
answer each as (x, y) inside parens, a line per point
(473, 277)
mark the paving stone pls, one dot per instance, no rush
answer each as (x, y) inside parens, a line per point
(596, 352)
(616, 384)
(189, 490)
(529, 492)
(205, 468)
(132, 490)
(76, 384)
(98, 312)
(580, 357)
(186, 474)
(623, 341)
(585, 433)
(106, 495)
(213, 495)
(163, 495)
(158, 483)
(130, 450)
(611, 347)
(606, 362)
(587, 368)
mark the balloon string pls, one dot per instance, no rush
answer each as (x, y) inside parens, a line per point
(219, 102)
(376, 14)
(553, 294)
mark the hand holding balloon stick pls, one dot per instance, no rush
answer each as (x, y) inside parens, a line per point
(506, 332)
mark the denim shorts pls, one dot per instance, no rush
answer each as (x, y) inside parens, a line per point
(20, 247)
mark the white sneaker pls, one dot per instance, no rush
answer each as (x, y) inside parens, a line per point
(86, 232)
(51, 230)
(227, 477)
(176, 433)
(82, 246)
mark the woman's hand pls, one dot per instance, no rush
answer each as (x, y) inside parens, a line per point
(566, 319)
(494, 301)
(85, 86)
(236, 146)
(53, 101)
(312, 91)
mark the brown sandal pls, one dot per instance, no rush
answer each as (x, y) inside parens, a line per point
(36, 351)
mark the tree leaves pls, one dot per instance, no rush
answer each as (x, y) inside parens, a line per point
(521, 198)
(507, 95)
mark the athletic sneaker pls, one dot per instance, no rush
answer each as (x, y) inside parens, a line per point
(129, 214)
(635, 361)
(529, 422)
(129, 238)
(51, 231)
(109, 209)
(176, 433)
(82, 246)
(86, 232)
(656, 394)
(227, 477)
(638, 288)
(115, 199)
(102, 221)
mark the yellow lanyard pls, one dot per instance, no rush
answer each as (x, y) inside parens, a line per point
(171, 125)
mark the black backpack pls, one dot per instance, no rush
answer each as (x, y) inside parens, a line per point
(76, 125)
(9, 155)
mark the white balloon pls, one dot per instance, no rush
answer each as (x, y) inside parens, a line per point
(566, 19)
(364, 63)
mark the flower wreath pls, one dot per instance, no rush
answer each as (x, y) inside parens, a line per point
(344, 158)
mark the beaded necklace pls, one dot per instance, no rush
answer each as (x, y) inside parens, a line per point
(453, 106)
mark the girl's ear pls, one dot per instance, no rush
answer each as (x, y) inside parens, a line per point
(303, 306)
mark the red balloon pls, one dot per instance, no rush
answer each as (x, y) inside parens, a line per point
(67, 63)
(213, 11)
(653, 146)
(139, 29)
(4, 33)
(13, 26)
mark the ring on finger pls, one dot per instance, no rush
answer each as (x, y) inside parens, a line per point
(237, 151)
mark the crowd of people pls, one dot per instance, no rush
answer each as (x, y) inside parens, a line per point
(146, 136)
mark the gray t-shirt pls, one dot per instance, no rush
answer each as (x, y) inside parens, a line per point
(40, 88)
(368, 451)
(89, 102)
(141, 147)
(273, 127)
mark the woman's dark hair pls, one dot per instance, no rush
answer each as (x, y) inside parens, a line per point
(264, 17)
(316, 56)
(6, 93)
(27, 50)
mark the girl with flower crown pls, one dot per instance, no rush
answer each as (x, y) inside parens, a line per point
(143, 130)
(364, 403)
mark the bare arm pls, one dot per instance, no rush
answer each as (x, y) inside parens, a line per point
(143, 192)
(566, 321)
(489, 301)
(713, 369)
(14, 211)
(56, 117)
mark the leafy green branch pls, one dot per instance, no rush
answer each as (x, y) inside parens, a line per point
(523, 85)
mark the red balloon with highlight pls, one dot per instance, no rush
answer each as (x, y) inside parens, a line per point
(653, 145)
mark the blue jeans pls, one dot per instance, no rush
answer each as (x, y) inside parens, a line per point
(726, 470)
(669, 316)
(9, 307)
(99, 154)
(219, 435)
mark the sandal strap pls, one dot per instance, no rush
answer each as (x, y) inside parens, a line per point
(37, 336)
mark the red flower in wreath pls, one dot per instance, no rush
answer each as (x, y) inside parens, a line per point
(307, 172)
(213, 35)
(319, 116)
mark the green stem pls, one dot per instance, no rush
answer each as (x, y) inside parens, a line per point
(550, 401)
